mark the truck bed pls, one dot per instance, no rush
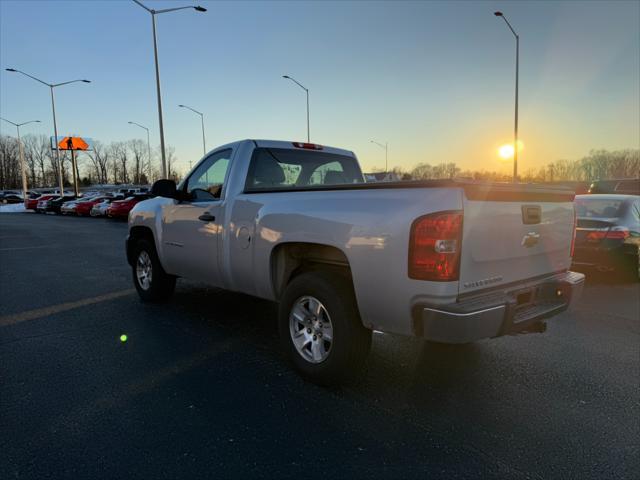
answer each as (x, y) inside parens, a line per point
(473, 190)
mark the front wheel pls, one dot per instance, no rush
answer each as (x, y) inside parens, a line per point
(321, 329)
(151, 281)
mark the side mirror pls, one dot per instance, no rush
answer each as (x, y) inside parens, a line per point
(164, 188)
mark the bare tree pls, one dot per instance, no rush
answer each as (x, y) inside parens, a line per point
(36, 148)
(422, 171)
(100, 161)
(9, 175)
(138, 150)
(171, 161)
(121, 153)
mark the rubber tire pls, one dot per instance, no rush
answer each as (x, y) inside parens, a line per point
(162, 284)
(352, 341)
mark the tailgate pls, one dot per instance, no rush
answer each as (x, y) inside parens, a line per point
(514, 232)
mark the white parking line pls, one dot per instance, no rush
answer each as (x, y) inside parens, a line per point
(62, 307)
(8, 249)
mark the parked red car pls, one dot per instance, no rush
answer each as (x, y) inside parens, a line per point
(84, 207)
(32, 203)
(121, 208)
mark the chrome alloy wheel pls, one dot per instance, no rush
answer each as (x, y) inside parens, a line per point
(311, 329)
(144, 270)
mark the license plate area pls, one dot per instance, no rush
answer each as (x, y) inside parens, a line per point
(524, 297)
(531, 302)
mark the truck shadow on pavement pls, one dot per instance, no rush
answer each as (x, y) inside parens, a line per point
(250, 323)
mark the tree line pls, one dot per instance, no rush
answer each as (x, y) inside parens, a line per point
(131, 162)
(121, 162)
(597, 165)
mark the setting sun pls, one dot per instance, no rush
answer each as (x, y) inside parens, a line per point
(506, 151)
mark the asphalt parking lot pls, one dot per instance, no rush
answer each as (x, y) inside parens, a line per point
(200, 388)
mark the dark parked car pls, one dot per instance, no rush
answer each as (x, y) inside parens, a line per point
(55, 205)
(10, 198)
(43, 202)
(624, 186)
(608, 232)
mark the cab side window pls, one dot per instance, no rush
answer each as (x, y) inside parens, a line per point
(205, 183)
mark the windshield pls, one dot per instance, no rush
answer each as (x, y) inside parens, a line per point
(598, 207)
(284, 168)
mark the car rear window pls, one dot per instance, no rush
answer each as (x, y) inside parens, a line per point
(284, 168)
(598, 207)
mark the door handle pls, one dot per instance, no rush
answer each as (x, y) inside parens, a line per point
(207, 217)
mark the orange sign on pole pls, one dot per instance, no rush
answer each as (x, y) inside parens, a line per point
(73, 143)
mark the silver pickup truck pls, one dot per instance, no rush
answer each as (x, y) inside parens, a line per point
(295, 223)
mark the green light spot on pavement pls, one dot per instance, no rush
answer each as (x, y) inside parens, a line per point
(123, 338)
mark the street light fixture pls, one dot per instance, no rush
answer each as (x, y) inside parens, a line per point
(55, 127)
(153, 13)
(307, 92)
(148, 144)
(204, 145)
(384, 145)
(21, 152)
(515, 130)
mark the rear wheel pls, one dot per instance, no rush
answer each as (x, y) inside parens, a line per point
(321, 329)
(151, 281)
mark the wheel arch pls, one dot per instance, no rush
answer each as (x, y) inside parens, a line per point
(136, 233)
(290, 259)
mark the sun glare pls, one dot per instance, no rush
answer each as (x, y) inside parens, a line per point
(506, 151)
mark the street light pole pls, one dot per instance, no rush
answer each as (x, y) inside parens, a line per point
(55, 136)
(21, 153)
(204, 144)
(161, 124)
(148, 145)
(386, 153)
(55, 126)
(515, 129)
(155, 52)
(307, 92)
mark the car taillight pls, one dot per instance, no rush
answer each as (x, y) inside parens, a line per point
(434, 247)
(618, 233)
(307, 146)
(596, 236)
(615, 233)
(575, 226)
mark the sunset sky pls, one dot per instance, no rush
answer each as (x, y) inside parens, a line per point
(434, 79)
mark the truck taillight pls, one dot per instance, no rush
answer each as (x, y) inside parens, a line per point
(434, 247)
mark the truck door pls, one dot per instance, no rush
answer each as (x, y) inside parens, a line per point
(192, 228)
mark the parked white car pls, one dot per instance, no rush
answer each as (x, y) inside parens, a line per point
(448, 261)
(68, 208)
(100, 209)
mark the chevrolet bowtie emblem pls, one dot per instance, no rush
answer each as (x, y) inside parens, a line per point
(530, 239)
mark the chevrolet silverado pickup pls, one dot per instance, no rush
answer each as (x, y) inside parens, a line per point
(448, 261)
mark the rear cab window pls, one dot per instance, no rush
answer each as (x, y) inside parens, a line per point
(291, 169)
(599, 207)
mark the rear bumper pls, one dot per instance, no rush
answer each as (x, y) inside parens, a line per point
(519, 309)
